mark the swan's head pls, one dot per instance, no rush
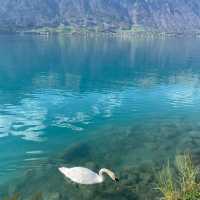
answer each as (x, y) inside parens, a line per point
(114, 177)
(109, 173)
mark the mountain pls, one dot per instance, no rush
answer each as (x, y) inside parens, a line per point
(110, 15)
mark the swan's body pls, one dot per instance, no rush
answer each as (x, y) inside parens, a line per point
(86, 176)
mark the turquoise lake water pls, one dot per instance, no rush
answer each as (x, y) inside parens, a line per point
(125, 104)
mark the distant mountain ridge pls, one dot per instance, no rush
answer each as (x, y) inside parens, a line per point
(159, 15)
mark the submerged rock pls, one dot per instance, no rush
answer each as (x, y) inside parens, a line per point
(76, 152)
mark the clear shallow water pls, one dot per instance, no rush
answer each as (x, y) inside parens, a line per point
(128, 105)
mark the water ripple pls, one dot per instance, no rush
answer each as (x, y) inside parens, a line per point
(25, 120)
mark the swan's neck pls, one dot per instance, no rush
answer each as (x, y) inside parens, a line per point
(105, 171)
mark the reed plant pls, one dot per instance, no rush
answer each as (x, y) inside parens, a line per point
(180, 183)
(166, 184)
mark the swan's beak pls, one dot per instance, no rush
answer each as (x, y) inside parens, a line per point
(116, 179)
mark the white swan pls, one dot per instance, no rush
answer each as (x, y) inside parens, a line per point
(86, 176)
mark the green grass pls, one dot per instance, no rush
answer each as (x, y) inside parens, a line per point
(180, 183)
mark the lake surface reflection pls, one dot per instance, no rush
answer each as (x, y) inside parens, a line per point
(124, 104)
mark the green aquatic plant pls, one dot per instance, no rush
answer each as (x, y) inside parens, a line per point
(37, 196)
(15, 196)
(188, 173)
(166, 184)
(180, 186)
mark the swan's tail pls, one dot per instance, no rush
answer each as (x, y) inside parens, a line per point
(64, 170)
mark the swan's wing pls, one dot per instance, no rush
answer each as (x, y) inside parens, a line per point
(81, 175)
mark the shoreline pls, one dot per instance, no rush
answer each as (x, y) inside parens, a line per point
(136, 31)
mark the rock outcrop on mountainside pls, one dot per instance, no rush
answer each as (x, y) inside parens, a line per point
(159, 15)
